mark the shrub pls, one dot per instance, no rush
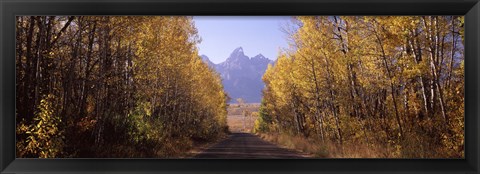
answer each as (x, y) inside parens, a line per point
(44, 138)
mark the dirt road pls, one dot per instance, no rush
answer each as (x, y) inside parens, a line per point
(245, 145)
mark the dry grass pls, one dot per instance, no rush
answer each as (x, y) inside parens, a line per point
(318, 149)
(236, 121)
(236, 109)
(297, 143)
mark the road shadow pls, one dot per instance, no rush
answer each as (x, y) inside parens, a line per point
(245, 145)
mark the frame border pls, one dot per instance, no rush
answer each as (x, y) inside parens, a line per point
(11, 8)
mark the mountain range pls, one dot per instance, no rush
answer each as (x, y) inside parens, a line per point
(242, 75)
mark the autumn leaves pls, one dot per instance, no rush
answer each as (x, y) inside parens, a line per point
(390, 84)
(90, 86)
(114, 87)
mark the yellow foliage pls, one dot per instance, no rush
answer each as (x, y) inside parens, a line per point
(44, 139)
(374, 80)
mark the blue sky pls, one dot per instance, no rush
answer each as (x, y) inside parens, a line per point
(255, 34)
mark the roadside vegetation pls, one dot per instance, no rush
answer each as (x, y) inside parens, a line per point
(91, 86)
(383, 86)
(346, 87)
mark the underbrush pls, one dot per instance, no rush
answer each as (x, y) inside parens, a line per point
(319, 149)
(136, 137)
(419, 147)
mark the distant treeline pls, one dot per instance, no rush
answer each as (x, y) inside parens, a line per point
(113, 87)
(370, 86)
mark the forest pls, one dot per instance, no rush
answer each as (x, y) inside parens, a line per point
(101, 86)
(368, 87)
(136, 87)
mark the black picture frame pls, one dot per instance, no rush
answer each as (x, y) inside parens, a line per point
(11, 8)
